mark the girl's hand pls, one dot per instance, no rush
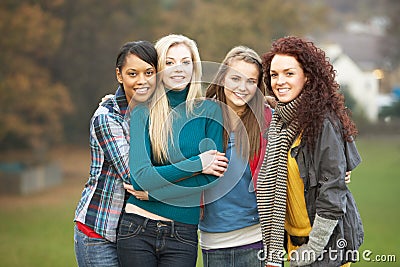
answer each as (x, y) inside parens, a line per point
(141, 195)
(105, 98)
(214, 162)
(347, 178)
(271, 101)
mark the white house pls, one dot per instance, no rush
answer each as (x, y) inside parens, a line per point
(360, 84)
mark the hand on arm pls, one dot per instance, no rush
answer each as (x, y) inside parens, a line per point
(145, 175)
(105, 98)
(141, 195)
(188, 176)
(347, 179)
(271, 101)
(214, 163)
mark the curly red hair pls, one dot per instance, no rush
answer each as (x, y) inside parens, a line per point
(321, 95)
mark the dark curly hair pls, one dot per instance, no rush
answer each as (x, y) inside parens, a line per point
(321, 97)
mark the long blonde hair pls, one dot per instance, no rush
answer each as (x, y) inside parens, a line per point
(248, 137)
(161, 115)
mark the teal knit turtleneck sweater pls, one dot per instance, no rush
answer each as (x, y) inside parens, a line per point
(175, 187)
(176, 97)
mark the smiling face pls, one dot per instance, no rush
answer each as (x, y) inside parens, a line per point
(287, 77)
(240, 84)
(137, 78)
(178, 69)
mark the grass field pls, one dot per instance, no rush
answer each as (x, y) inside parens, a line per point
(375, 186)
(37, 230)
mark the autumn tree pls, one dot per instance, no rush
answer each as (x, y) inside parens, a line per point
(57, 52)
(217, 26)
(31, 101)
(93, 32)
(391, 41)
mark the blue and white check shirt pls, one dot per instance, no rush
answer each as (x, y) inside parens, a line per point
(103, 197)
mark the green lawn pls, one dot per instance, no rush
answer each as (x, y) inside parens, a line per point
(42, 235)
(375, 186)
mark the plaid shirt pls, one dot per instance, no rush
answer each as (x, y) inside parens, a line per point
(104, 196)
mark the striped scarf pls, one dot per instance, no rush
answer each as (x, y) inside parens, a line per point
(272, 179)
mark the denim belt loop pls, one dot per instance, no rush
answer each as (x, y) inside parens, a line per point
(144, 224)
(172, 229)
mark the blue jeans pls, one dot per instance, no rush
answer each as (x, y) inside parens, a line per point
(94, 252)
(144, 242)
(233, 257)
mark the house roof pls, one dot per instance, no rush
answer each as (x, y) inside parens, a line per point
(362, 48)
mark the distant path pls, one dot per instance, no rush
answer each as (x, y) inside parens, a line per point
(74, 162)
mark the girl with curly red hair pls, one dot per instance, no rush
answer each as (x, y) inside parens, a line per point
(303, 200)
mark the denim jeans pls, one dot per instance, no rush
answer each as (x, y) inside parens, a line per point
(233, 257)
(94, 252)
(144, 242)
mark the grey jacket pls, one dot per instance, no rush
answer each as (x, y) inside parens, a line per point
(326, 193)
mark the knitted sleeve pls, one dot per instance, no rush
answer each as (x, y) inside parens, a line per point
(145, 175)
(213, 123)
